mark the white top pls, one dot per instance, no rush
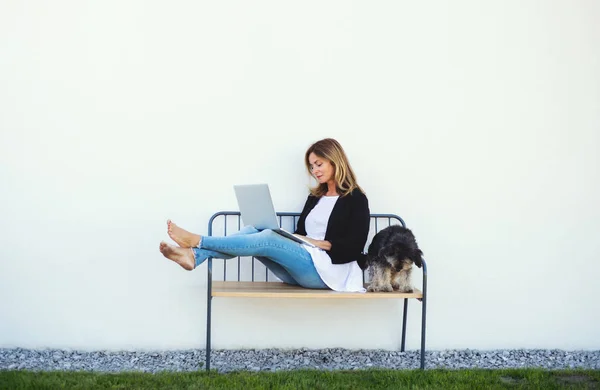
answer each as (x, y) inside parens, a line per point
(338, 277)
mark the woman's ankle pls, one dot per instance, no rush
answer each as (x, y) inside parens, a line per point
(198, 259)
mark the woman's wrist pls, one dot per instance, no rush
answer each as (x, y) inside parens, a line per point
(325, 245)
(322, 244)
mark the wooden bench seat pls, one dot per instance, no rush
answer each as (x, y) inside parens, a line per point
(282, 290)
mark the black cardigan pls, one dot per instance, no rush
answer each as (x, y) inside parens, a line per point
(347, 229)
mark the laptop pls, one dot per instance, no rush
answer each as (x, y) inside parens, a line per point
(256, 207)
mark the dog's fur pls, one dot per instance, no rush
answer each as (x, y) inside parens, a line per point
(390, 257)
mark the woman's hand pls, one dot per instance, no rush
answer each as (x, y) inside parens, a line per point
(325, 245)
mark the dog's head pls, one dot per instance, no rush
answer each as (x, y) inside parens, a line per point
(397, 245)
(401, 256)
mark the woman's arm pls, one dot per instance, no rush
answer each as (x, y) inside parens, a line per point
(325, 245)
(347, 246)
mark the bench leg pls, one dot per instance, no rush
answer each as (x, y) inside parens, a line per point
(208, 312)
(423, 316)
(404, 325)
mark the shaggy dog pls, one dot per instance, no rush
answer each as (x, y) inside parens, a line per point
(391, 256)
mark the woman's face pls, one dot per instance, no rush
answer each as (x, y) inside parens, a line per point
(321, 168)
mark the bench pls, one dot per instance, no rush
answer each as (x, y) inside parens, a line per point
(239, 288)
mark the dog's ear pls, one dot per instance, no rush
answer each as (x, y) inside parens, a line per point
(371, 250)
(417, 258)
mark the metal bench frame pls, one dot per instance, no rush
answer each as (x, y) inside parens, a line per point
(295, 216)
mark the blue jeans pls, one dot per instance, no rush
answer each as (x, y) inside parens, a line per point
(287, 259)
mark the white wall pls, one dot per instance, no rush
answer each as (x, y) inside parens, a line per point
(477, 122)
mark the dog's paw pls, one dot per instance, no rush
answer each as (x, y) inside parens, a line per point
(407, 290)
(395, 286)
(387, 288)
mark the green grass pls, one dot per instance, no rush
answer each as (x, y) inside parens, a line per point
(309, 379)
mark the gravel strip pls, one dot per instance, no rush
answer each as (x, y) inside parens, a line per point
(276, 359)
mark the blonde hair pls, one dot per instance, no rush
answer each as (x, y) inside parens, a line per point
(344, 177)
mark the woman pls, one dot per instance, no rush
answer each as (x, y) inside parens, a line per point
(335, 218)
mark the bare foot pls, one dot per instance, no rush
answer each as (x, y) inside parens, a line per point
(182, 256)
(182, 237)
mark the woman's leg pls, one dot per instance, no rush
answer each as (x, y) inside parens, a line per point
(282, 273)
(291, 256)
(203, 254)
(185, 239)
(279, 271)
